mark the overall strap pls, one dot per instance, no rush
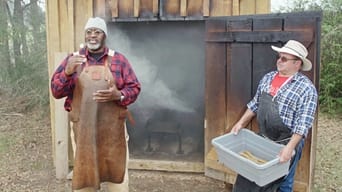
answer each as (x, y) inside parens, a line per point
(108, 62)
(110, 56)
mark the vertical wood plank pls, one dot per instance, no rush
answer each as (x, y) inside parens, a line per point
(61, 137)
(195, 8)
(53, 44)
(247, 7)
(136, 8)
(215, 93)
(221, 7)
(170, 8)
(148, 10)
(183, 8)
(302, 23)
(263, 65)
(239, 67)
(236, 7)
(114, 8)
(90, 8)
(262, 6)
(65, 25)
(206, 8)
(100, 8)
(155, 7)
(126, 8)
(71, 25)
(80, 18)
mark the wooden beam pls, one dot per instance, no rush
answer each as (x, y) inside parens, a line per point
(259, 36)
(159, 165)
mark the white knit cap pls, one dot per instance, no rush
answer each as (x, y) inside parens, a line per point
(297, 49)
(98, 23)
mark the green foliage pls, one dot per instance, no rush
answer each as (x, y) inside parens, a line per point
(25, 74)
(331, 53)
(330, 92)
(331, 70)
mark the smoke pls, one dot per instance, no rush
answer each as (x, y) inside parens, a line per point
(168, 59)
(159, 58)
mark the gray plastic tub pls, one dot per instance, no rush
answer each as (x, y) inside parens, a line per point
(229, 146)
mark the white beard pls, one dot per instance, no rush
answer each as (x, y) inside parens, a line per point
(93, 46)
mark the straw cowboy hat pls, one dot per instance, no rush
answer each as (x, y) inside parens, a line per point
(297, 49)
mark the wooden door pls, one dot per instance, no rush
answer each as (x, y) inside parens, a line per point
(238, 54)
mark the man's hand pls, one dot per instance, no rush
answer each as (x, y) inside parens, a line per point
(111, 94)
(73, 62)
(285, 154)
(236, 128)
(243, 121)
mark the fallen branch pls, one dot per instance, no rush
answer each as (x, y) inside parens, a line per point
(13, 114)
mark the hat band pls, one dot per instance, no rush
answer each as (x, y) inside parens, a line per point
(295, 51)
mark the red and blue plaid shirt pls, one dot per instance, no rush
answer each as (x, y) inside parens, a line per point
(297, 101)
(125, 78)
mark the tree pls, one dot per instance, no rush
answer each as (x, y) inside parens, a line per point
(4, 34)
(331, 49)
(23, 50)
(330, 91)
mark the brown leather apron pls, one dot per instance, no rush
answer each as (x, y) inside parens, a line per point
(99, 131)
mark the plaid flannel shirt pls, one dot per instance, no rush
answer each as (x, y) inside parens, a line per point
(125, 78)
(297, 101)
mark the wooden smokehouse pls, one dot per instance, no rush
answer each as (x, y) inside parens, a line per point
(199, 62)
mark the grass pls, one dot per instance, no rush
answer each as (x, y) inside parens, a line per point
(4, 144)
(328, 171)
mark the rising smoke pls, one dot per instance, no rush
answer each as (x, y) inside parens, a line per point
(168, 59)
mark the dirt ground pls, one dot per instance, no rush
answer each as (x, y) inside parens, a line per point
(26, 158)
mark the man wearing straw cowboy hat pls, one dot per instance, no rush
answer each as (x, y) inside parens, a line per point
(284, 105)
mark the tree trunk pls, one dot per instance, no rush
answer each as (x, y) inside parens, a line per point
(4, 45)
(19, 33)
(35, 21)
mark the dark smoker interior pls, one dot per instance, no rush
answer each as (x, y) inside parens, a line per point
(169, 61)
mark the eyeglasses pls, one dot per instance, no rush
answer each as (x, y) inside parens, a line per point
(95, 31)
(285, 59)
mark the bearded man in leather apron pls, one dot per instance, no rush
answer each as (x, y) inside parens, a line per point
(98, 84)
(285, 106)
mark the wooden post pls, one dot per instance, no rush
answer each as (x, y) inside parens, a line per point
(61, 133)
